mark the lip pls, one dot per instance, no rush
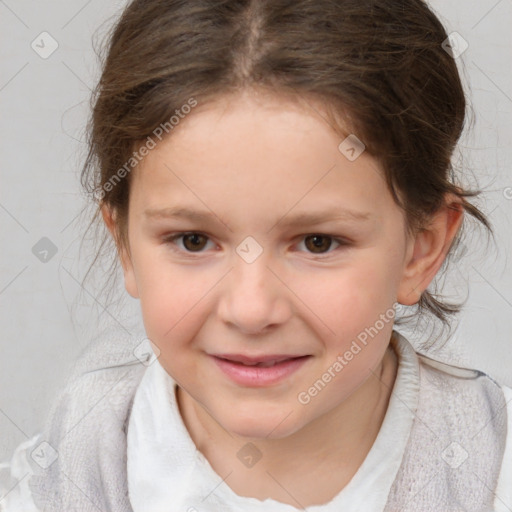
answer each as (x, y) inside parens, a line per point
(258, 376)
(263, 358)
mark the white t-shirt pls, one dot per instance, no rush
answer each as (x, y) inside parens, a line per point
(165, 467)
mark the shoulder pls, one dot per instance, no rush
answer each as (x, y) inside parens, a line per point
(474, 414)
(504, 488)
(458, 441)
(101, 385)
(87, 421)
(448, 385)
(15, 495)
(463, 396)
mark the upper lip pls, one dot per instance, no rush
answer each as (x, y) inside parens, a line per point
(241, 358)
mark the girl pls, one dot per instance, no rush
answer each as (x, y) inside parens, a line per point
(276, 177)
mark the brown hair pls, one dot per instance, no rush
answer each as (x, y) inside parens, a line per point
(378, 65)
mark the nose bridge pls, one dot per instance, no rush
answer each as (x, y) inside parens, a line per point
(251, 262)
(253, 298)
(253, 276)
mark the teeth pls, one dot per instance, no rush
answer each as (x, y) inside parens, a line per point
(267, 364)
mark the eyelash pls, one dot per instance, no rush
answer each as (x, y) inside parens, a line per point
(170, 240)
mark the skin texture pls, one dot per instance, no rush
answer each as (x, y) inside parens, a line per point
(253, 162)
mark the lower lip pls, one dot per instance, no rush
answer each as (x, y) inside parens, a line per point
(258, 376)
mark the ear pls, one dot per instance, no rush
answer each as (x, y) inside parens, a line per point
(428, 249)
(130, 283)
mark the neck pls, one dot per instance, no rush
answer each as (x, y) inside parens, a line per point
(340, 439)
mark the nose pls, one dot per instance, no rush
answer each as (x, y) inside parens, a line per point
(254, 297)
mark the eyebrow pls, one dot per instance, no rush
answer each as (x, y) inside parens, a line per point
(302, 219)
(311, 218)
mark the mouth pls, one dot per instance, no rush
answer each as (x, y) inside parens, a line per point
(257, 371)
(264, 361)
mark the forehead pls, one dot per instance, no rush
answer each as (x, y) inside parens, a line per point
(256, 153)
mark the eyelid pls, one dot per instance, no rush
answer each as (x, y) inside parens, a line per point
(169, 240)
(341, 241)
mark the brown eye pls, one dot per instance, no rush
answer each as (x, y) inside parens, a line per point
(191, 242)
(318, 243)
(194, 241)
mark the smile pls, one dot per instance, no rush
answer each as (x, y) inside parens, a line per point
(266, 371)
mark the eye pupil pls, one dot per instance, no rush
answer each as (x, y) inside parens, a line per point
(316, 244)
(194, 237)
(319, 242)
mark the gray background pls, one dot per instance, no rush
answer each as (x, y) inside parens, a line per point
(47, 317)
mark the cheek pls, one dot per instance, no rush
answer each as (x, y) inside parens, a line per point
(176, 302)
(347, 300)
(172, 300)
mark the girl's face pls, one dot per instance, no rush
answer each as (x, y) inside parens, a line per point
(293, 250)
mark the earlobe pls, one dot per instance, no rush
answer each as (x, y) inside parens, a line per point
(128, 271)
(428, 249)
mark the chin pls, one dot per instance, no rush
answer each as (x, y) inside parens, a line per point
(261, 425)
